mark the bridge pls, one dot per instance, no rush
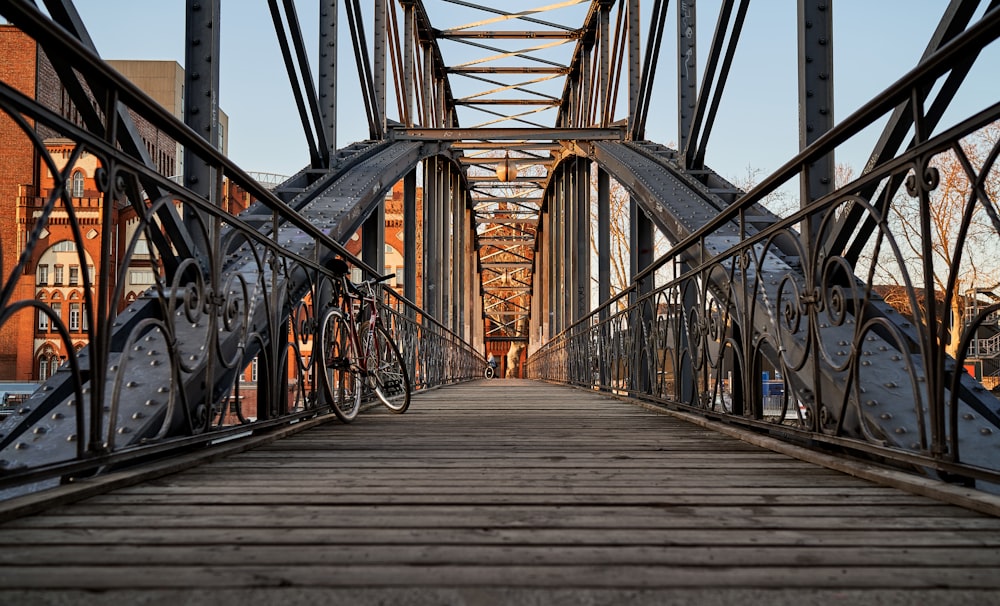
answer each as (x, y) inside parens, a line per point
(834, 331)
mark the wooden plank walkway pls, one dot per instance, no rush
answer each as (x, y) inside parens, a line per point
(505, 492)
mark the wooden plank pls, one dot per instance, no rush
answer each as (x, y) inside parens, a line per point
(505, 484)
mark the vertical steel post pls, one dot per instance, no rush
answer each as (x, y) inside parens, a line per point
(458, 227)
(641, 256)
(634, 62)
(408, 69)
(582, 230)
(447, 234)
(373, 238)
(427, 89)
(603, 238)
(605, 64)
(815, 94)
(431, 243)
(201, 111)
(585, 67)
(410, 235)
(569, 242)
(328, 70)
(687, 73)
(603, 267)
(378, 77)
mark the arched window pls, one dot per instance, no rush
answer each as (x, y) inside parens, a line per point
(48, 362)
(78, 184)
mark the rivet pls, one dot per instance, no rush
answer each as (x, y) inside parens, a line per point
(71, 438)
(986, 431)
(968, 416)
(871, 403)
(57, 415)
(138, 415)
(132, 384)
(150, 402)
(24, 410)
(40, 431)
(20, 446)
(885, 416)
(901, 430)
(124, 430)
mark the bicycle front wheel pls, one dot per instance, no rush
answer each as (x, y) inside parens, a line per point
(339, 371)
(387, 374)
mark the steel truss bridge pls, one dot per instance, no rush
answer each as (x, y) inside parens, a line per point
(501, 140)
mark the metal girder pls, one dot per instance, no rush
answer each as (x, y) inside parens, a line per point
(506, 134)
(502, 264)
(508, 70)
(508, 34)
(473, 101)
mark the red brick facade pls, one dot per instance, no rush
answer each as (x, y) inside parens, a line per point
(17, 178)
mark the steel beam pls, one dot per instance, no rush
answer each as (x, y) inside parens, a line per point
(328, 11)
(815, 21)
(410, 235)
(378, 62)
(634, 63)
(508, 70)
(507, 134)
(687, 71)
(201, 83)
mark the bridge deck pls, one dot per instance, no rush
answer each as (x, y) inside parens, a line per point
(511, 491)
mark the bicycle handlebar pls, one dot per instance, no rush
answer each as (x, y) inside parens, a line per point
(369, 283)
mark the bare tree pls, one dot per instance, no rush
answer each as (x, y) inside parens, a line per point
(956, 231)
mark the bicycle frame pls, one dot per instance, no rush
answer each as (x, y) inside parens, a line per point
(347, 295)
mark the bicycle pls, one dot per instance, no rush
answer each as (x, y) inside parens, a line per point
(358, 356)
(490, 372)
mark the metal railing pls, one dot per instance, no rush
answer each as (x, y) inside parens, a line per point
(700, 328)
(218, 343)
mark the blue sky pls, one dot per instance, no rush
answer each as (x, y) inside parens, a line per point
(875, 42)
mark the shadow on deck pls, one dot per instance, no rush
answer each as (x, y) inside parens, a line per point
(504, 492)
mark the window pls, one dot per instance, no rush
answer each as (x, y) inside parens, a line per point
(43, 321)
(57, 310)
(400, 272)
(141, 246)
(64, 246)
(141, 276)
(253, 370)
(74, 317)
(48, 362)
(59, 276)
(78, 184)
(90, 273)
(42, 275)
(74, 275)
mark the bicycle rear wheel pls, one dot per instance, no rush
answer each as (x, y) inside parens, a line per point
(340, 379)
(387, 374)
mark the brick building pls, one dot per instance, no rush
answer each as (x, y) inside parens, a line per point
(55, 273)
